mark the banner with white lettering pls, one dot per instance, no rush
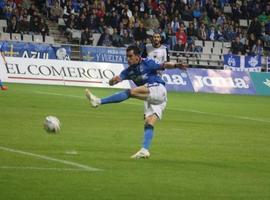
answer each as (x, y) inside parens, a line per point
(60, 72)
(221, 81)
(243, 63)
(104, 54)
(177, 80)
(35, 50)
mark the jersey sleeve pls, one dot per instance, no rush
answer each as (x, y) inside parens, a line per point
(154, 65)
(124, 74)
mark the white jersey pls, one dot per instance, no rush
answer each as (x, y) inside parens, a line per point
(159, 54)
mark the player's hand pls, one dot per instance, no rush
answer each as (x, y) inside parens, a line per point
(114, 80)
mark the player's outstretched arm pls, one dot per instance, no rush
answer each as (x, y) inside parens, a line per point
(170, 65)
(114, 80)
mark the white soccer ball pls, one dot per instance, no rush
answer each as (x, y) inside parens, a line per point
(52, 124)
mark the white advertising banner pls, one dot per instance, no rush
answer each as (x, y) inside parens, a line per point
(60, 72)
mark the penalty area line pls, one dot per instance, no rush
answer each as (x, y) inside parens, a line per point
(70, 163)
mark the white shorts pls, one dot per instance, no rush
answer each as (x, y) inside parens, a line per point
(157, 100)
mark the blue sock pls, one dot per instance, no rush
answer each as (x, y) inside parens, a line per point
(148, 135)
(115, 98)
(1, 84)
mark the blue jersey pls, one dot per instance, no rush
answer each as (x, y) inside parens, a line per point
(144, 72)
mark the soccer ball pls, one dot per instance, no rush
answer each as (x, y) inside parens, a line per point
(52, 124)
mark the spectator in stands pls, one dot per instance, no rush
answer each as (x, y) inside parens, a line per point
(205, 19)
(101, 25)
(124, 19)
(87, 37)
(32, 10)
(244, 10)
(92, 22)
(68, 10)
(257, 49)
(154, 23)
(181, 36)
(7, 11)
(237, 47)
(116, 38)
(71, 26)
(255, 28)
(16, 12)
(197, 11)
(126, 40)
(56, 11)
(26, 4)
(105, 38)
(187, 13)
(24, 25)
(202, 33)
(179, 46)
(13, 26)
(34, 27)
(113, 20)
(236, 12)
(191, 32)
(230, 33)
(221, 19)
(251, 42)
(140, 34)
(175, 24)
(212, 11)
(212, 34)
(164, 20)
(82, 22)
(43, 28)
(220, 34)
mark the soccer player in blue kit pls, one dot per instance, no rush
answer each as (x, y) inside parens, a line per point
(150, 88)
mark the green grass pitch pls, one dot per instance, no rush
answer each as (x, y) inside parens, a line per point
(207, 146)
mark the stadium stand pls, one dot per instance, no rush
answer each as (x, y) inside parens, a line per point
(210, 26)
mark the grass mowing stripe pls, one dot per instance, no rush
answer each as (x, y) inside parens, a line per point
(41, 168)
(85, 167)
(170, 108)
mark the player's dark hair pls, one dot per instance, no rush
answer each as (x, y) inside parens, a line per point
(135, 49)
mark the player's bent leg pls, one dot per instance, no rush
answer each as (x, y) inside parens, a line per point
(141, 92)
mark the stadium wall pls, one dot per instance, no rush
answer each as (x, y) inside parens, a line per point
(96, 74)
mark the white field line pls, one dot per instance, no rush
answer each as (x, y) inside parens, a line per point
(179, 109)
(41, 168)
(85, 167)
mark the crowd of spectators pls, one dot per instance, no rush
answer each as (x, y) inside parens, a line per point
(24, 16)
(124, 22)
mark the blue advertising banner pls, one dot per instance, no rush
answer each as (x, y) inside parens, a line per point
(243, 63)
(221, 81)
(177, 80)
(34, 50)
(101, 54)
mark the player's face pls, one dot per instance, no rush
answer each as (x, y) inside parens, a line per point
(132, 58)
(156, 39)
